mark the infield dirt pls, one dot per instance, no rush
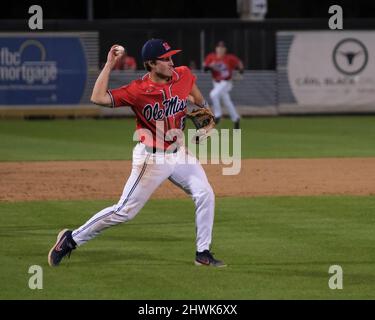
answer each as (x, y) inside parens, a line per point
(73, 180)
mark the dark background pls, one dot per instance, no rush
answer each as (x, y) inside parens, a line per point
(158, 9)
(182, 22)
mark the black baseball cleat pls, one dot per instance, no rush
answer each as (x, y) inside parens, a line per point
(63, 246)
(237, 124)
(206, 258)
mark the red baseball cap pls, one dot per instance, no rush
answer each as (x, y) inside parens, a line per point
(157, 48)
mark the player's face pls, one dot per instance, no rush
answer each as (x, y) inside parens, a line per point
(164, 67)
(220, 51)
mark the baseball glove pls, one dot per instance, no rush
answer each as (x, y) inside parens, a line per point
(204, 122)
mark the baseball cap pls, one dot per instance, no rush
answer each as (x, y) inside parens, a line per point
(157, 48)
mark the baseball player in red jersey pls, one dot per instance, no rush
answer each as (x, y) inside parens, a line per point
(159, 100)
(125, 63)
(221, 64)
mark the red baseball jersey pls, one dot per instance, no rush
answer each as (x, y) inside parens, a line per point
(152, 102)
(221, 68)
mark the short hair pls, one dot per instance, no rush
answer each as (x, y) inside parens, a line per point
(147, 66)
(221, 44)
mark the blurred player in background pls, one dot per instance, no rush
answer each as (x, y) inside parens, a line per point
(221, 64)
(126, 62)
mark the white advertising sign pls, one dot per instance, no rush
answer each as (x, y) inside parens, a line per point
(333, 68)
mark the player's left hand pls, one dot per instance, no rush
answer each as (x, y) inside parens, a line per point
(204, 121)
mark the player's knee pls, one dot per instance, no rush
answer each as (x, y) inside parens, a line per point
(214, 95)
(210, 193)
(123, 214)
(227, 100)
(206, 194)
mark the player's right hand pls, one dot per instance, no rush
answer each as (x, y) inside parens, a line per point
(112, 57)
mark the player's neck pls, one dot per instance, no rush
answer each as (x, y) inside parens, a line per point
(159, 78)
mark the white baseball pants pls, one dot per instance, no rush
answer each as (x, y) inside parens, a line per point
(149, 170)
(219, 92)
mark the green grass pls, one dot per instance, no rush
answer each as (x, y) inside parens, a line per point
(276, 248)
(284, 137)
(66, 139)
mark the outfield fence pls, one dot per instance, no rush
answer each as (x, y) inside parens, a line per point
(316, 72)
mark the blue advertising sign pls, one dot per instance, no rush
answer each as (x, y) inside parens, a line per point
(41, 70)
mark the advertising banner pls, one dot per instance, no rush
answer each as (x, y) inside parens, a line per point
(327, 69)
(42, 68)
